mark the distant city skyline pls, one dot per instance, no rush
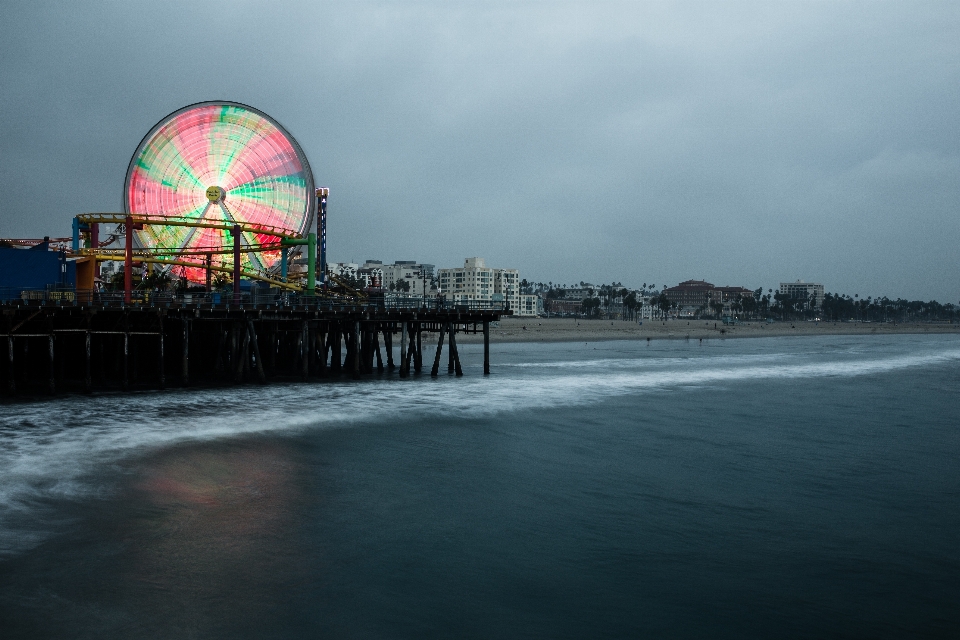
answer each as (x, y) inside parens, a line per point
(747, 142)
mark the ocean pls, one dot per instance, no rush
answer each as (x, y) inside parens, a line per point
(775, 487)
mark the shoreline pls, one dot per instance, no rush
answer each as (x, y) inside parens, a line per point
(581, 330)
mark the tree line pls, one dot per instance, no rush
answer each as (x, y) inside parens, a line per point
(609, 299)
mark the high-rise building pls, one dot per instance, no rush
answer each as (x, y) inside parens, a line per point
(810, 292)
(408, 276)
(471, 283)
(476, 282)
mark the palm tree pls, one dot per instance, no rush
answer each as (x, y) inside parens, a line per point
(717, 307)
(663, 303)
(630, 302)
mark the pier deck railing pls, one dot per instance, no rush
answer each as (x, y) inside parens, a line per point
(260, 298)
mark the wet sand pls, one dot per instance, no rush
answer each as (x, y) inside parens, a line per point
(572, 330)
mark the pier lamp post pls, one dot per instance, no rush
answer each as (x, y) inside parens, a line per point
(423, 285)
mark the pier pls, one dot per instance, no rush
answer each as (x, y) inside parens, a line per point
(63, 346)
(223, 279)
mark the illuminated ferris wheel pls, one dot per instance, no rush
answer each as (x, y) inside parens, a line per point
(219, 163)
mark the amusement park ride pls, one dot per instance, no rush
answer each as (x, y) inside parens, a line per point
(215, 187)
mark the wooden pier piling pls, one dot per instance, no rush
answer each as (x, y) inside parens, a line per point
(160, 358)
(450, 367)
(418, 360)
(52, 378)
(87, 368)
(376, 344)
(355, 355)
(11, 372)
(403, 351)
(455, 353)
(185, 350)
(261, 374)
(486, 347)
(436, 361)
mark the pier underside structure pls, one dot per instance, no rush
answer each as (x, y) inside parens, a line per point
(75, 348)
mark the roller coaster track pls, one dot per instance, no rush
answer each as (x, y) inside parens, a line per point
(351, 293)
(32, 242)
(244, 273)
(118, 254)
(173, 257)
(182, 221)
(349, 289)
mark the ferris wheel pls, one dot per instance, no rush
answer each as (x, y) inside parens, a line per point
(219, 163)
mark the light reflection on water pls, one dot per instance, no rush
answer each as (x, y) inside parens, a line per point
(205, 521)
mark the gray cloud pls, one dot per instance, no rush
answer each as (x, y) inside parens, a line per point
(745, 143)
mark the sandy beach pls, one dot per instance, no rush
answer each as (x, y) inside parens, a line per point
(570, 329)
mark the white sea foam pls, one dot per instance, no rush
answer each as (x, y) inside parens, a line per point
(610, 363)
(48, 450)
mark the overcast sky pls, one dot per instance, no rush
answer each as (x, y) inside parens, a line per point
(742, 143)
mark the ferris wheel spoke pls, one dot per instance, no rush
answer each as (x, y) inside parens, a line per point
(245, 237)
(277, 199)
(239, 138)
(275, 212)
(193, 230)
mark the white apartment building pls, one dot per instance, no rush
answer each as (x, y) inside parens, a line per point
(426, 269)
(804, 290)
(471, 283)
(414, 276)
(414, 283)
(530, 306)
(646, 309)
(476, 282)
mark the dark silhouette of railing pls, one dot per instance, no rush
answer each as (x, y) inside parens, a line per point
(255, 297)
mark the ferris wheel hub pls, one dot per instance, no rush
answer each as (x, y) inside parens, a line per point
(216, 194)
